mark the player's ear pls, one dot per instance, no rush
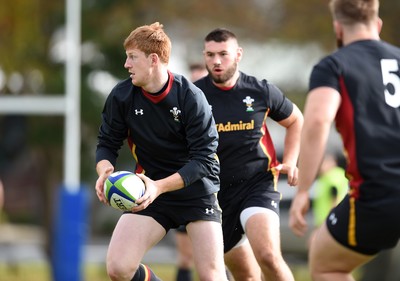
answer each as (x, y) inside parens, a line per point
(337, 28)
(380, 24)
(239, 54)
(154, 58)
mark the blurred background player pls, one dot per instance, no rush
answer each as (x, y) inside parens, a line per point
(330, 188)
(197, 71)
(183, 243)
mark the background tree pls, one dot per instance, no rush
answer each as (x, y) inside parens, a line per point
(31, 62)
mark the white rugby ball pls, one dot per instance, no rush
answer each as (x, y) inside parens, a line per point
(122, 189)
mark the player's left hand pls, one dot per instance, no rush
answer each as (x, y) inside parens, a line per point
(152, 192)
(291, 172)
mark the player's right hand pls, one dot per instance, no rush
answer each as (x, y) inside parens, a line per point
(291, 171)
(103, 175)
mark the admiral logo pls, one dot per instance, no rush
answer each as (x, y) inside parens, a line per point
(273, 204)
(230, 127)
(138, 111)
(175, 113)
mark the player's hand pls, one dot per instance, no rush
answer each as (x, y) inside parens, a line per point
(291, 171)
(100, 184)
(149, 196)
(297, 212)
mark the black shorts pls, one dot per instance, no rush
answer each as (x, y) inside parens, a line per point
(366, 226)
(235, 196)
(172, 214)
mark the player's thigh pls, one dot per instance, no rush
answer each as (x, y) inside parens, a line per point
(206, 237)
(263, 231)
(132, 237)
(242, 264)
(326, 255)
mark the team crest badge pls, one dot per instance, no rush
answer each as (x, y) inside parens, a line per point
(175, 113)
(249, 103)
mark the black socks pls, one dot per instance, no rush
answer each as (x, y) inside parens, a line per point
(184, 275)
(144, 273)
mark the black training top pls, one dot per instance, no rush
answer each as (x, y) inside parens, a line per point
(367, 76)
(240, 112)
(172, 131)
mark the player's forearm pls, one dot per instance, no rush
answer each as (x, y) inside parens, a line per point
(292, 138)
(291, 148)
(312, 149)
(171, 183)
(319, 112)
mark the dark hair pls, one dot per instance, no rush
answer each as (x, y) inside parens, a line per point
(197, 66)
(354, 11)
(220, 35)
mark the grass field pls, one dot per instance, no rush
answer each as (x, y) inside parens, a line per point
(96, 272)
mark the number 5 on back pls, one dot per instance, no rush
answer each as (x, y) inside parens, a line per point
(389, 66)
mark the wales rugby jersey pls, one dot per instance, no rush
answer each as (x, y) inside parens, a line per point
(368, 118)
(171, 131)
(245, 147)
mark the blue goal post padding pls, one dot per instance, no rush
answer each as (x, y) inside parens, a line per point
(69, 234)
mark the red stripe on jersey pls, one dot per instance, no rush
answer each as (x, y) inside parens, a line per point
(224, 88)
(345, 126)
(267, 145)
(161, 96)
(132, 147)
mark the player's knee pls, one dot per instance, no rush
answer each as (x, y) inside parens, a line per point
(212, 278)
(244, 275)
(120, 271)
(213, 275)
(270, 260)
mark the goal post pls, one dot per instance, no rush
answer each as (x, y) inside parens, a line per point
(70, 218)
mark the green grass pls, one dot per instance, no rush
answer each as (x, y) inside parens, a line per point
(25, 271)
(97, 272)
(41, 272)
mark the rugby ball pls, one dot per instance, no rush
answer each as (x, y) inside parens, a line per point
(122, 189)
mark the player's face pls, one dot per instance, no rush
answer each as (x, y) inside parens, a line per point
(222, 60)
(138, 66)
